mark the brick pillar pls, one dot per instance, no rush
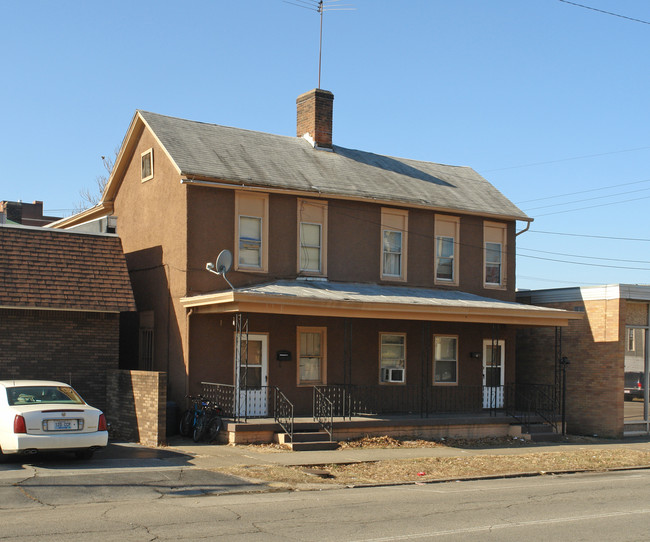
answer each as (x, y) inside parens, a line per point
(314, 110)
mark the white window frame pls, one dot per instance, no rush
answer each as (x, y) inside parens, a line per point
(322, 355)
(447, 227)
(387, 253)
(303, 245)
(495, 234)
(394, 373)
(250, 241)
(436, 359)
(394, 221)
(252, 205)
(143, 177)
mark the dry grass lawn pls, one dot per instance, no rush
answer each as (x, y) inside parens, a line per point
(529, 461)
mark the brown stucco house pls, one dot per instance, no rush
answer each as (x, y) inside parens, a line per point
(61, 296)
(368, 283)
(607, 375)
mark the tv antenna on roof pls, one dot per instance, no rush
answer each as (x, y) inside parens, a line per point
(320, 6)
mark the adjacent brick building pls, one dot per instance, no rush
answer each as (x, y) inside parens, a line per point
(612, 335)
(61, 296)
(27, 214)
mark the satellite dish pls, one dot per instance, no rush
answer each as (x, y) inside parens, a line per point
(224, 262)
(222, 265)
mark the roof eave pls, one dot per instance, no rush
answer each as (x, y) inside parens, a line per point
(232, 302)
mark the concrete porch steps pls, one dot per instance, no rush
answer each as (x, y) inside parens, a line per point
(541, 432)
(307, 441)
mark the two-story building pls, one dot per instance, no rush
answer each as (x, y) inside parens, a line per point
(385, 283)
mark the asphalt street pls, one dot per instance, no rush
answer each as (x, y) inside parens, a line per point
(121, 472)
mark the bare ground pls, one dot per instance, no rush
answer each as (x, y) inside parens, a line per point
(530, 461)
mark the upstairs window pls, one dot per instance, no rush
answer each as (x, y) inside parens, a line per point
(494, 236)
(250, 241)
(392, 354)
(146, 165)
(312, 237)
(394, 226)
(251, 227)
(446, 257)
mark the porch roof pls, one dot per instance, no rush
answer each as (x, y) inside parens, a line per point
(355, 300)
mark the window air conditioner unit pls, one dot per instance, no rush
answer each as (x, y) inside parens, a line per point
(393, 375)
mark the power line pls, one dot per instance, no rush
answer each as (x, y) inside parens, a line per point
(579, 256)
(566, 159)
(583, 191)
(588, 199)
(605, 12)
(556, 281)
(590, 236)
(593, 206)
(584, 263)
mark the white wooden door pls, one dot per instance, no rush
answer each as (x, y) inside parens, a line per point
(251, 371)
(493, 373)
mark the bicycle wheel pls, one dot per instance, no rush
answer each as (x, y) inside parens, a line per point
(186, 423)
(199, 428)
(214, 427)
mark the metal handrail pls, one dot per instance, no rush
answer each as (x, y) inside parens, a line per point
(526, 401)
(323, 412)
(283, 412)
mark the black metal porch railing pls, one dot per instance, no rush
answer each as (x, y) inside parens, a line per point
(324, 411)
(223, 395)
(526, 402)
(353, 400)
(283, 410)
(243, 404)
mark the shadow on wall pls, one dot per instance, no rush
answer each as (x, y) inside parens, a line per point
(137, 406)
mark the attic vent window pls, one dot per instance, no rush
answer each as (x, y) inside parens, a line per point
(146, 160)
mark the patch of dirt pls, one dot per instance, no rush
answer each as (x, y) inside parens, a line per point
(530, 460)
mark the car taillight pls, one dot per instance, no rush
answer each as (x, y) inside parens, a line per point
(19, 424)
(102, 423)
(638, 385)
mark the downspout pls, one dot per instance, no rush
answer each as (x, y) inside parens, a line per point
(525, 229)
(187, 343)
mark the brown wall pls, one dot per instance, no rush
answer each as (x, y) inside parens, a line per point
(212, 353)
(171, 230)
(74, 347)
(137, 406)
(594, 347)
(354, 244)
(152, 223)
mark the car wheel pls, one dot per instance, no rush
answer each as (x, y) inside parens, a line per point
(84, 454)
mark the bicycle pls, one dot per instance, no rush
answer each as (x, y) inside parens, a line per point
(202, 419)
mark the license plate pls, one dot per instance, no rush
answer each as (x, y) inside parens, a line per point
(62, 425)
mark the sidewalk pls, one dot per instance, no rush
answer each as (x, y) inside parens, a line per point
(210, 455)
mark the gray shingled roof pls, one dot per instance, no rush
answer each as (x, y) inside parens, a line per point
(379, 293)
(257, 158)
(59, 270)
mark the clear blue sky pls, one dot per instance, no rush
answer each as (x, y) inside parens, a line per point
(542, 97)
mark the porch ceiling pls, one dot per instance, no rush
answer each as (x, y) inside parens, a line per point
(354, 300)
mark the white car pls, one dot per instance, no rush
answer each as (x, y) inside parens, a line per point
(41, 415)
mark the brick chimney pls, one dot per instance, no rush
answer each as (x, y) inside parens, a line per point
(315, 117)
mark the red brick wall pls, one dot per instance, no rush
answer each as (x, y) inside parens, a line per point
(594, 348)
(137, 403)
(75, 347)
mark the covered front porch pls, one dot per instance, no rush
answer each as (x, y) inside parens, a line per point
(355, 382)
(343, 412)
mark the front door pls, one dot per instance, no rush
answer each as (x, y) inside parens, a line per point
(493, 373)
(251, 370)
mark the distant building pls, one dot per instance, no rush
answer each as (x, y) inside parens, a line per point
(27, 214)
(609, 361)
